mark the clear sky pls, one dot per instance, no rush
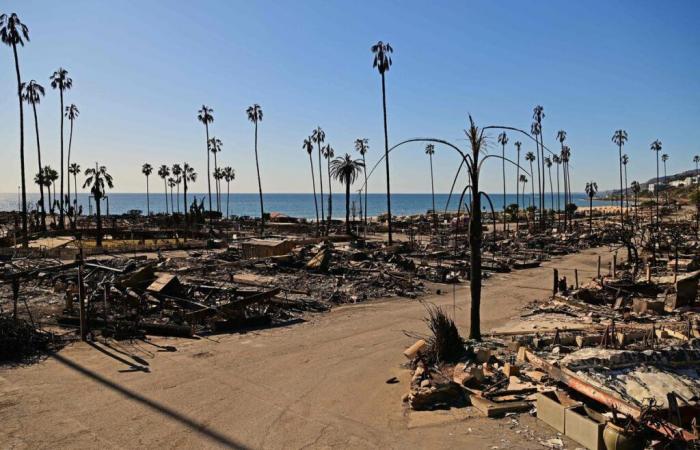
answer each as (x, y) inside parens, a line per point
(141, 69)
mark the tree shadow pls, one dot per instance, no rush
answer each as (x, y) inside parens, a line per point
(155, 406)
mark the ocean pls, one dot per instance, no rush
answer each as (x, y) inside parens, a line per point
(294, 205)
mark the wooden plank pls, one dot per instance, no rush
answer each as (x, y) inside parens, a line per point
(496, 409)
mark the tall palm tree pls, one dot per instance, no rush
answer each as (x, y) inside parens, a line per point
(517, 144)
(329, 153)
(591, 190)
(382, 61)
(548, 163)
(13, 32)
(346, 170)
(71, 114)
(430, 151)
(309, 147)
(229, 176)
(656, 148)
(32, 93)
(206, 116)
(171, 185)
(147, 170)
(537, 116)
(74, 169)
(362, 146)
(565, 156)
(188, 175)
(99, 180)
(61, 81)
(176, 170)
(530, 157)
(619, 138)
(164, 172)
(255, 115)
(215, 146)
(318, 136)
(625, 160)
(503, 140)
(218, 176)
(523, 180)
(557, 160)
(561, 137)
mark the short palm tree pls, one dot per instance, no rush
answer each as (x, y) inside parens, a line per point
(218, 176)
(229, 176)
(50, 178)
(530, 157)
(206, 116)
(215, 146)
(625, 160)
(99, 180)
(318, 136)
(565, 156)
(171, 184)
(164, 172)
(329, 153)
(346, 170)
(362, 146)
(255, 115)
(32, 93)
(61, 81)
(503, 140)
(176, 170)
(523, 180)
(147, 170)
(382, 61)
(664, 158)
(188, 176)
(548, 163)
(557, 160)
(309, 147)
(591, 190)
(74, 169)
(619, 138)
(71, 114)
(656, 148)
(636, 189)
(42, 181)
(12, 33)
(430, 151)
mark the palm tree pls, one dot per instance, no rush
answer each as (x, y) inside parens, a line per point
(188, 175)
(147, 170)
(50, 178)
(656, 148)
(98, 179)
(530, 157)
(61, 81)
(74, 169)
(229, 176)
(329, 153)
(664, 158)
(205, 115)
(218, 176)
(625, 160)
(71, 114)
(430, 151)
(382, 61)
(548, 163)
(164, 172)
(215, 146)
(503, 140)
(13, 32)
(557, 160)
(318, 136)
(255, 115)
(523, 180)
(309, 147)
(362, 146)
(561, 137)
(171, 185)
(518, 144)
(176, 170)
(42, 180)
(636, 189)
(565, 155)
(32, 93)
(591, 190)
(537, 116)
(619, 138)
(346, 170)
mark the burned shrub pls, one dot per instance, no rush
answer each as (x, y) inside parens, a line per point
(20, 341)
(445, 344)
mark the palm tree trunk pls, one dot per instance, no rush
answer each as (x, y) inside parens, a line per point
(364, 170)
(228, 198)
(320, 178)
(41, 171)
(386, 160)
(622, 217)
(257, 166)
(503, 167)
(25, 242)
(75, 181)
(558, 197)
(330, 193)
(70, 145)
(60, 198)
(184, 193)
(566, 197)
(216, 185)
(544, 180)
(98, 239)
(165, 186)
(313, 183)
(347, 207)
(551, 188)
(206, 126)
(539, 182)
(432, 190)
(656, 189)
(517, 194)
(475, 237)
(148, 198)
(532, 187)
(627, 200)
(590, 214)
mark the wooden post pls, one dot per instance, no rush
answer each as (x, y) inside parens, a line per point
(614, 265)
(576, 277)
(598, 266)
(648, 273)
(555, 286)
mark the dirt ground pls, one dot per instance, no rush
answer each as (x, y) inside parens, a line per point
(320, 383)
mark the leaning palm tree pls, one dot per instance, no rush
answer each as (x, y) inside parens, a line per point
(329, 153)
(362, 146)
(318, 136)
(619, 138)
(164, 172)
(255, 115)
(176, 170)
(12, 33)
(625, 160)
(503, 140)
(656, 148)
(61, 81)
(74, 169)
(591, 190)
(215, 146)
(99, 180)
(548, 163)
(430, 151)
(147, 170)
(530, 157)
(188, 175)
(382, 61)
(346, 170)
(32, 93)
(71, 114)
(309, 147)
(229, 176)
(206, 116)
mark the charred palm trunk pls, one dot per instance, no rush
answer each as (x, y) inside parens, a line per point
(98, 238)
(25, 242)
(364, 170)
(348, 229)
(432, 190)
(590, 214)
(622, 205)
(320, 182)
(70, 145)
(517, 194)
(313, 184)
(206, 126)
(257, 167)
(60, 199)
(475, 238)
(386, 161)
(330, 192)
(503, 167)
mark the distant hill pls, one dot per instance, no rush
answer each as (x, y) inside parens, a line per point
(645, 185)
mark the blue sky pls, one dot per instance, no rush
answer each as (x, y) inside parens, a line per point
(141, 69)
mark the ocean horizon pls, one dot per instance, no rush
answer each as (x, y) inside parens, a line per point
(299, 205)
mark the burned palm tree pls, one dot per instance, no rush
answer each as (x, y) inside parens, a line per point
(557, 160)
(346, 170)
(537, 116)
(636, 189)
(215, 146)
(548, 163)
(74, 169)
(530, 157)
(619, 138)
(591, 191)
(518, 145)
(362, 146)
(98, 180)
(656, 148)
(176, 170)
(625, 160)
(229, 176)
(308, 146)
(32, 93)
(71, 114)
(430, 151)
(188, 176)
(561, 137)
(255, 115)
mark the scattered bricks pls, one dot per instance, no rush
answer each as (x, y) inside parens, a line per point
(414, 349)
